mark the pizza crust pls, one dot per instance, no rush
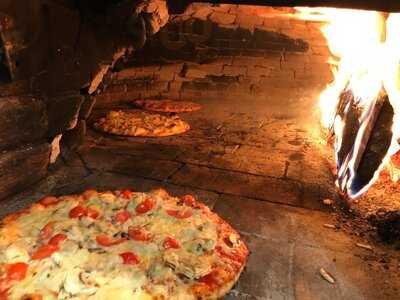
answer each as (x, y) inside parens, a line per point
(140, 123)
(174, 245)
(167, 105)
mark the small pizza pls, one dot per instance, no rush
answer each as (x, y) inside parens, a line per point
(167, 105)
(118, 245)
(141, 123)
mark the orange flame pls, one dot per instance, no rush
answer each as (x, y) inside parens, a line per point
(365, 48)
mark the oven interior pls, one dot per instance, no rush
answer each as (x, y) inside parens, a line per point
(256, 152)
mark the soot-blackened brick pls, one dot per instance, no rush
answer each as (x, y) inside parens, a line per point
(22, 167)
(22, 120)
(223, 79)
(196, 85)
(242, 34)
(63, 112)
(264, 39)
(222, 32)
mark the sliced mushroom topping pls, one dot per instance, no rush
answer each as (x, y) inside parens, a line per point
(190, 265)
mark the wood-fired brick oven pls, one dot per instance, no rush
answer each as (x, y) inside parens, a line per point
(255, 153)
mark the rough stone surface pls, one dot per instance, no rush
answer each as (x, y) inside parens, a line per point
(151, 168)
(87, 107)
(75, 137)
(15, 88)
(59, 50)
(236, 183)
(55, 148)
(156, 14)
(222, 18)
(254, 150)
(22, 167)
(22, 120)
(63, 113)
(244, 59)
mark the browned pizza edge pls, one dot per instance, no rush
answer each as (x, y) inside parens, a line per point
(148, 104)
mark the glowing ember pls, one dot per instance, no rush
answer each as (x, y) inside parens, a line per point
(365, 48)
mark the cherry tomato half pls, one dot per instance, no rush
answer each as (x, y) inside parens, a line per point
(189, 200)
(106, 241)
(92, 213)
(57, 239)
(77, 212)
(171, 243)
(130, 258)
(180, 214)
(122, 216)
(145, 206)
(3, 292)
(48, 201)
(17, 271)
(139, 235)
(127, 194)
(44, 251)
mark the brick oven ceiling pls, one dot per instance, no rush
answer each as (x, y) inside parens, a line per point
(179, 6)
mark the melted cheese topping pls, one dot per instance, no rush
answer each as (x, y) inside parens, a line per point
(140, 123)
(84, 269)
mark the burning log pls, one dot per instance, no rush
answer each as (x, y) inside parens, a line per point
(376, 149)
(360, 105)
(349, 113)
(362, 140)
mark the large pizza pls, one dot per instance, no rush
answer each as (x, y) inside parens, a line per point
(118, 245)
(140, 123)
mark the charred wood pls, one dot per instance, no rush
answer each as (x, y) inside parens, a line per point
(388, 226)
(349, 113)
(377, 146)
(357, 129)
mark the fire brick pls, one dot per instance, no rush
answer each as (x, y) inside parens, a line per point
(22, 120)
(223, 8)
(249, 21)
(195, 72)
(203, 13)
(235, 71)
(258, 71)
(127, 73)
(22, 167)
(222, 18)
(168, 72)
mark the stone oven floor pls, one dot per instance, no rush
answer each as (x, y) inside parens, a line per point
(264, 168)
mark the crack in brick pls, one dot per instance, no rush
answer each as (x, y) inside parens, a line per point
(285, 172)
(291, 293)
(206, 165)
(174, 172)
(84, 163)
